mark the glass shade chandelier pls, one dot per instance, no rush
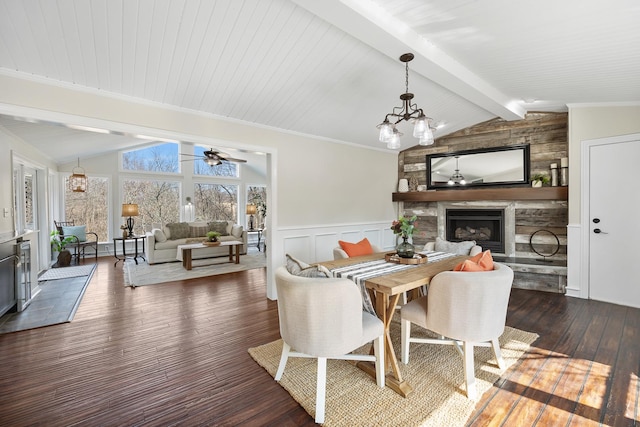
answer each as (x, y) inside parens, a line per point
(457, 178)
(410, 112)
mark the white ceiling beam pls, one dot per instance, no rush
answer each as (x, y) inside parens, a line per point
(371, 25)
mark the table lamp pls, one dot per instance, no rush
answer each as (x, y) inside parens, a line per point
(129, 210)
(251, 210)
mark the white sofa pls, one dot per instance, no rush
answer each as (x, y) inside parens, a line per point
(161, 246)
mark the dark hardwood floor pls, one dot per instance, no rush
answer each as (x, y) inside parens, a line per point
(176, 354)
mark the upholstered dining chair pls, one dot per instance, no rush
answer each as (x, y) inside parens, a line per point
(466, 309)
(323, 318)
(81, 239)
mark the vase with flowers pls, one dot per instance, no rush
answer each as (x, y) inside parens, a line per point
(404, 228)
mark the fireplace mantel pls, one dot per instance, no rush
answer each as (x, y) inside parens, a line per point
(520, 193)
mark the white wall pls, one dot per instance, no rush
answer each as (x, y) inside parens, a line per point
(586, 122)
(313, 181)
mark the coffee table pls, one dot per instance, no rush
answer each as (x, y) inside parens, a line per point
(185, 252)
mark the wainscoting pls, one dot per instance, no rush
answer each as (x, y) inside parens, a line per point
(316, 243)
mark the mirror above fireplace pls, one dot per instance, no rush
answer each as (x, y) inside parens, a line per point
(475, 168)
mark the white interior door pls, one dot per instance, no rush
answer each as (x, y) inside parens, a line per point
(614, 221)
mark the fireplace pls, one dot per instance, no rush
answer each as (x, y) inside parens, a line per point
(485, 226)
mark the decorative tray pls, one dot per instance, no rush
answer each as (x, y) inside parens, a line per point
(206, 243)
(417, 258)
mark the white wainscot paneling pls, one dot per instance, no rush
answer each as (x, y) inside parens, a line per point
(325, 242)
(314, 244)
(299, 246)
(575, 287)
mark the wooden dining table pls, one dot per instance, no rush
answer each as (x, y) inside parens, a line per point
(385, 292)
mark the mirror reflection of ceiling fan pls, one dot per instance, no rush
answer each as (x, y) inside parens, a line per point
(213, 157)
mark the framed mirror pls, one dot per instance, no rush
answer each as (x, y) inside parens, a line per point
(474, 168)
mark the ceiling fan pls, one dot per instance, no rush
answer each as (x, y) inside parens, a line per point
(214, 157)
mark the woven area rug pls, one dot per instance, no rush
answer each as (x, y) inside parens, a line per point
(66, 272)
(434, 371)
(144, 274)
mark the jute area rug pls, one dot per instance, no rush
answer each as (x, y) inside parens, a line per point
(144, 274)
(434, 371)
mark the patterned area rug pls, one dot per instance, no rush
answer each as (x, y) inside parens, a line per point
(434, 371)
(66, 272)
(144, 274)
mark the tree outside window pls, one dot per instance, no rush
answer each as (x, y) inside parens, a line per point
(157, 158)
(257, 195)
(226, 169)
(90, 208)
(216, 202)
(158, 202)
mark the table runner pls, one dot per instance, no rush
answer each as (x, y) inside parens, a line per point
(361, 272)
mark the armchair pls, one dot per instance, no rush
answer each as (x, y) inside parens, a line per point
(464, 308)
(82, 239)
(322, 318)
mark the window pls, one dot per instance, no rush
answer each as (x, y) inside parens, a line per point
(157, 158)
(257, 195)
(227, 169)
(90, 208)
(158, 202)
(216, 202)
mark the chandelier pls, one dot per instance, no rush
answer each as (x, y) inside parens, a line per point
(457, 177)
(410, 112)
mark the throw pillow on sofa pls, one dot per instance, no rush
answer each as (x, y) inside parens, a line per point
(219, 226)
(198, 230)
(178, 230)
(236, 231)
(159, 235)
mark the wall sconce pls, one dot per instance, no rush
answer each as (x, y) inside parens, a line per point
(129, 210)
(251, 211)
(189, 211)
(78, 180)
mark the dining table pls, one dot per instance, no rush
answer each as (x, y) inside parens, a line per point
(385, 291)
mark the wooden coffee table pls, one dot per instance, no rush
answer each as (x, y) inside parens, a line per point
(185, 252)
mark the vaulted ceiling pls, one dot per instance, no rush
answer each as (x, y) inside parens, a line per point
(328, 68)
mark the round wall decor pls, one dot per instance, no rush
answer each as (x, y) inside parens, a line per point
(544, 243)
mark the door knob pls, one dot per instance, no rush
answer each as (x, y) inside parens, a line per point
(598, 231)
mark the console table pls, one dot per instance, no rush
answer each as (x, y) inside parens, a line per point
(124, 256)
(259, 232)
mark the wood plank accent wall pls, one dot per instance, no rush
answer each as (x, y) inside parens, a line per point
(546, 133)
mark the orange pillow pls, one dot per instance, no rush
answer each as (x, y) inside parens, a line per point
(481, 262)
(363, 247)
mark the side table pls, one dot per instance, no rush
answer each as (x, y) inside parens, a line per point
(259, 232)
(124, 256)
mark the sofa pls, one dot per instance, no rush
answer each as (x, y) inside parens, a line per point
(161, 243)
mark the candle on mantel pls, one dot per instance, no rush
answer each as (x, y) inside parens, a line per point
(554, 166)
(564, 162)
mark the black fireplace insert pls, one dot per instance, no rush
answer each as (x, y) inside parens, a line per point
(485, 226)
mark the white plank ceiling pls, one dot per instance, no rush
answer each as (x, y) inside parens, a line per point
(327, 68)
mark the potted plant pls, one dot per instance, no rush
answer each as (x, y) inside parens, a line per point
(212, 238)
(59, 244)
(538, 179)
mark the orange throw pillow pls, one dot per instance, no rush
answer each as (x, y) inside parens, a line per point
(481, 262)
(363, 247)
